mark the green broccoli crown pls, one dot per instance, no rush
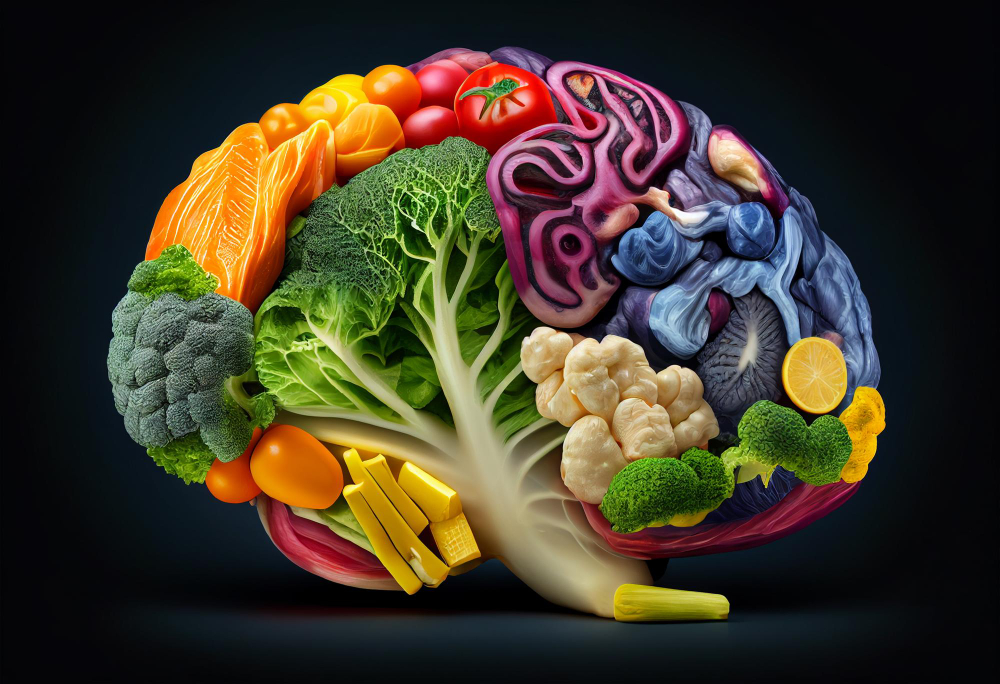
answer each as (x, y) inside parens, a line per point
(173, 348)
(651, 491)
(772, 435)
(352, 258)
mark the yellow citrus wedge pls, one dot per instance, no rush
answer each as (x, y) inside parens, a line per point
(815, 375)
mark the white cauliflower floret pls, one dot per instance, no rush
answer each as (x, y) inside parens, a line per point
(603, 373)
(679, 391)
(555, 401)
(544, 352)
(699, 427)
(590, 459)
(644, 431)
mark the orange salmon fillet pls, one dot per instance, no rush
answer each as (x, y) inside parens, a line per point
(232, 210)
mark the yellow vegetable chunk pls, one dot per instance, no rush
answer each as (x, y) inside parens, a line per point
(424, 563)
(356, 468)
(436, 499)
(865, 419)
(639, 603)
(378, 468)
(454, 540)
(384, 550)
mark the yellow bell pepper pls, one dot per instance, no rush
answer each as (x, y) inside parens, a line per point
(334, 103)
(352, 80)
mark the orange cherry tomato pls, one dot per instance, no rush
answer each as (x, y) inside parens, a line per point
(282, 122)
(232, 482)
(395, 87)
(368, 135)
(293, 467)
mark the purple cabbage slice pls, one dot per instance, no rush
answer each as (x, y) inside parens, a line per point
(528, 60)
(565, 191)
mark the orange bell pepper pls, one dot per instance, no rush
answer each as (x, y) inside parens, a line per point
(368, 135)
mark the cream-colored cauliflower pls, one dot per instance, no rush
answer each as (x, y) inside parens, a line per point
(590, 458)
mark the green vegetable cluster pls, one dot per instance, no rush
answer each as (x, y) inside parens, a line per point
(772, 435)
(175, 344)
(394, 277)
(651, 491)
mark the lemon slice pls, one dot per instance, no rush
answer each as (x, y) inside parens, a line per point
(815, 375)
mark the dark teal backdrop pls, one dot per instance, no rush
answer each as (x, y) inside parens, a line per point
(112, 570)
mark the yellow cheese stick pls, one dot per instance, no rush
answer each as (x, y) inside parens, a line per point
(352, 459)
(455, 541)
(378, 468)
(436, 499)
(384, 549)
(425, 564)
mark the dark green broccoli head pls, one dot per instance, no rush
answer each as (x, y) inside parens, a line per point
(772, 435)
(651, 491)
(174, 347)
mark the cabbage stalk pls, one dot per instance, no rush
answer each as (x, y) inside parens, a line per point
(396, 329)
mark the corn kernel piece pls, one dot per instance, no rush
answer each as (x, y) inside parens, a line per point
(455, 541)
(639, 603)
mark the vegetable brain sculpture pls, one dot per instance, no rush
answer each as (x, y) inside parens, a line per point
(495, 306)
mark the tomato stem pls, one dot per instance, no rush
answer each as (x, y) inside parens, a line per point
(492, 93)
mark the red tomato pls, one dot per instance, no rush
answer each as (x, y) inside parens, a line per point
(395, 87)
(439, 81)
(429, 126)
(232, 482)
(498, 102)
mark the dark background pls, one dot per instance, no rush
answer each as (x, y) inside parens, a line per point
(112, 570)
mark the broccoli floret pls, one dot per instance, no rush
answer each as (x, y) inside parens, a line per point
(772, 435)
(651, 491)
(175, 345)
(188, 458)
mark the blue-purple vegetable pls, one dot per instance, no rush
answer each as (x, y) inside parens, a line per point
(742, 364)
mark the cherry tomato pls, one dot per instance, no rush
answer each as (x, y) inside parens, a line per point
(439, 81)
(429, 126)
(294, 467)
(395, 87)
(282, 122)
(232, 482)
(499, 102)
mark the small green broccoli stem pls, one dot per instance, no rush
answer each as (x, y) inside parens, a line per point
(494, 397)
(234, 386)
(463, 279)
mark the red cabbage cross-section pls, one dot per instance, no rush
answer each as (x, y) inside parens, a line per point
(565, 191)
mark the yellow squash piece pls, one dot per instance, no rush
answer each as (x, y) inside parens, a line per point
(639, 603)
(355, 467)
(455, 541)
(424, 563)
(865, 419)
(378, 469)
(436, 499)
(384, 549)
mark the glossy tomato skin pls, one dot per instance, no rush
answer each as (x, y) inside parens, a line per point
(232, 482)
(395, 87)
(293, 467)
(527, 106)
(429, 126)
(439, 81)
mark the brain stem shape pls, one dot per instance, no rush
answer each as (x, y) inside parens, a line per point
(565, 191)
